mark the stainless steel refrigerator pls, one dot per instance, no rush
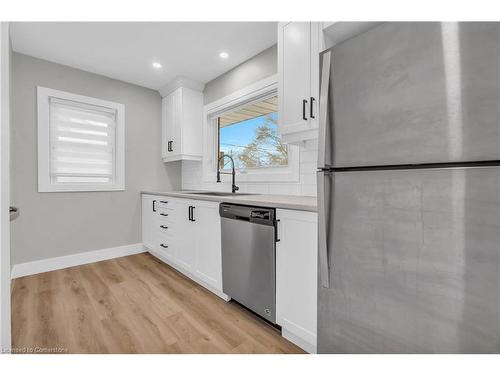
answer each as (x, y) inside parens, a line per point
(409, 190)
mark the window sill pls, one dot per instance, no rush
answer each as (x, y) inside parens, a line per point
(78, 188)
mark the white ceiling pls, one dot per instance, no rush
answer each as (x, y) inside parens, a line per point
(125, 50)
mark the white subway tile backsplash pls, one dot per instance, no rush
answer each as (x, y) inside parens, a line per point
(255, 188)
(307, 189)
(192, 177)
(308, 167)
(284, 188)
(308, 156)
(308, 179)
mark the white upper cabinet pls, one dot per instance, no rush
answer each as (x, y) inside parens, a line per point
(299, 45)
(182, 119)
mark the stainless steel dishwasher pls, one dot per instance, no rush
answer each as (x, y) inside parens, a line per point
(249, 257)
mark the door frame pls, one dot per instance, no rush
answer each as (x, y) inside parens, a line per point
(5, 325)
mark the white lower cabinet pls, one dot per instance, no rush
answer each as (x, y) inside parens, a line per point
(208, 265)
(148, 221)
(185, 234)
(296, 277)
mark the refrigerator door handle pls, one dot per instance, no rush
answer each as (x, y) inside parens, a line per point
(324, 268)
(323, 109)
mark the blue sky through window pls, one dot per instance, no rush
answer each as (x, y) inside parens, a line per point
(235, 137)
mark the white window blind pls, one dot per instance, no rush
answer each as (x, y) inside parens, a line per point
(82, 143)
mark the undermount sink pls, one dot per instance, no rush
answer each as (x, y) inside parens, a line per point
(218, 193)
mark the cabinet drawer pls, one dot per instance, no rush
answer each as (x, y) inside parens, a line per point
(164, 214)
(164, 243)
(163, 203)
(165, 228)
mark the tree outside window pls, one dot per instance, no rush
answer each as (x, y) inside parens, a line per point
(254, 142)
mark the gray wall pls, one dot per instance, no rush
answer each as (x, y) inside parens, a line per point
(258, 67)
(57, 224)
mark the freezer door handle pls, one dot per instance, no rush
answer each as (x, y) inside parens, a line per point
(323, 109)
(323, 201)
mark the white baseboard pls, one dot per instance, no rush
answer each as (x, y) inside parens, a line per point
(299, 336)
(51, 264)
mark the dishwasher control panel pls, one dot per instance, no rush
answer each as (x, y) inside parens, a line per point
(252, 214)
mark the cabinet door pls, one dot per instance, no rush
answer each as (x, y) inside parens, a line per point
(296, 276)
(171, 124)
(317, 45)
(185, 236)
(148, 220)
(208, 266)
(294, 68)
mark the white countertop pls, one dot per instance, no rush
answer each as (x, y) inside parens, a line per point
(291, 202)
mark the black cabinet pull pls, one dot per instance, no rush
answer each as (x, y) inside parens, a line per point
(170, 146)
(276, 228)
(163, 227)
(191, 213)
(162, 214)
(311, 108)
(154, 205)
(304, 104)
(164, 202)
(163, 245)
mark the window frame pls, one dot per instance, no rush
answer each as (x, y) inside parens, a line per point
(260, 90)
(45, 184)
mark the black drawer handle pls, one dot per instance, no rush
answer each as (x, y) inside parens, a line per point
(163, 227)
(164, 202)
(162, 214)
(154, 205)
(311, 108)
(304, 104)
(163, 245)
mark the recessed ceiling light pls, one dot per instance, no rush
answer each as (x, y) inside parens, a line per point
(156, 65)
(223, 55)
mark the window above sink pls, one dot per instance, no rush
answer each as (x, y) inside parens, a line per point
(251, 136)
(243, 124)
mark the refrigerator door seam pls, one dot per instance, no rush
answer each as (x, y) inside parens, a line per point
(324, 268)
(323, 109)
(444, 165)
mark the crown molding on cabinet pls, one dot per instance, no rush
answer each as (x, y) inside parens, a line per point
(181, 81)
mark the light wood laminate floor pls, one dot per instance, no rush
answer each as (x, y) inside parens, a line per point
(134, 304)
